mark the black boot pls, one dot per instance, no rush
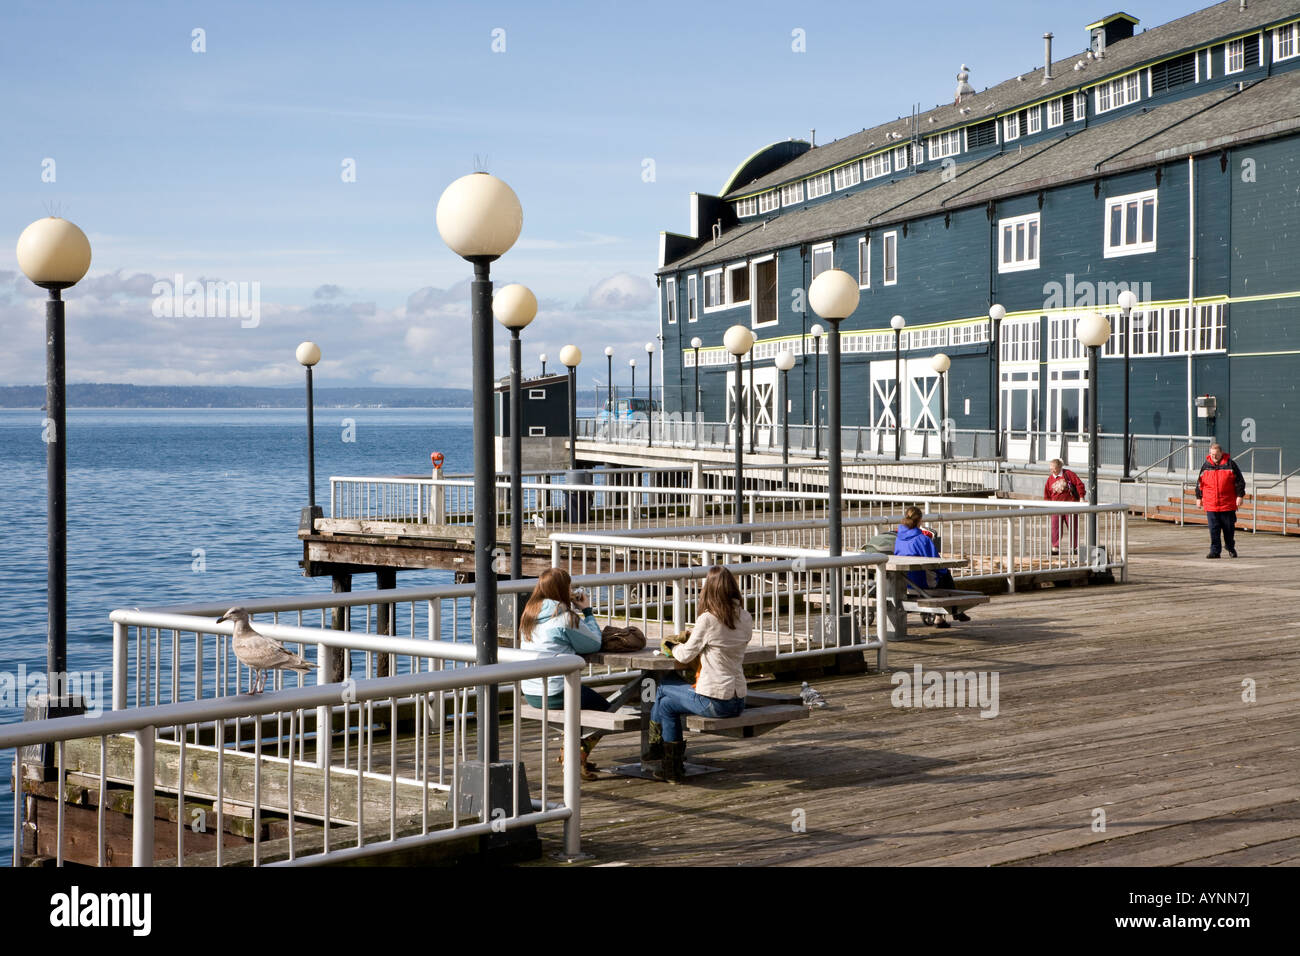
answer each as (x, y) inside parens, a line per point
(674, 768)
(655, 744)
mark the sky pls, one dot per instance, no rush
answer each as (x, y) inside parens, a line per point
(299, 149)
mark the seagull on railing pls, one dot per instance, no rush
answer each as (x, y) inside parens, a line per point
(258, 652)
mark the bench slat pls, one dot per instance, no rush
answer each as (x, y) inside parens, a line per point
(749, 722)
(615, 722)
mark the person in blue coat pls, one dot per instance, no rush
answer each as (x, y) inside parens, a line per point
(914, 540)
(558, 620)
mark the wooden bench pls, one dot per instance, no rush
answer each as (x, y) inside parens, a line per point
(609, 722)
(753, 721)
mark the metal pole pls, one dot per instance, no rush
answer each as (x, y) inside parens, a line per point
(573, 418)
(836, 481)
(943, 434)
(697, 398)
(650, 400)
(898, 394)
(996, 345)
(56, 527)
(785, 426)
(817, 397)
(609, 397)
(1092, 447)
(311, 444)
(738, 504)
(516, 465)
(632, 401)
(485, 508)
(1127, 344)
(753, 419)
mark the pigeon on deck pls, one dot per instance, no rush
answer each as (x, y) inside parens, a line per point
(811, 697)
(258, 652)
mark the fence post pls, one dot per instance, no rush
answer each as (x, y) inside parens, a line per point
(142, 808)
(572, 784)
(1123, 546)
(882, 631)
(679, 604)
(119, 666)
(438, 504)
(697, 483)
(1011, 568)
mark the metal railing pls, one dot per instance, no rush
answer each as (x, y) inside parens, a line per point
(1005, 544)
(162, 747)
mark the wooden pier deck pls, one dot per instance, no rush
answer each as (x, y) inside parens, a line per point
(1124, 699)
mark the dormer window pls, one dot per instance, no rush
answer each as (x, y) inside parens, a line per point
(819, 186)
(849, 175)
(747, 207)
(769, 201)
(876, 166)
(791, 194)
(945, 144)
(1117, 93)
(1286, 41)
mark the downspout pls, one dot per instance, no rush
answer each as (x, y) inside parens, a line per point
(1191, 281)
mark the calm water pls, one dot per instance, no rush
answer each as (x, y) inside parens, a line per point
(147, 488)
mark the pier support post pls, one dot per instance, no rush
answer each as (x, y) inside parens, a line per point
(342, 583)
(385, 619)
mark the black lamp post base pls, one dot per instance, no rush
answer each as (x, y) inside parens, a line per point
(307, 518)
(502, 776)
(43, 759)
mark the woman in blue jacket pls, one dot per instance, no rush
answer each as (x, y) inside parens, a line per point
(558, 621)
(915, 540)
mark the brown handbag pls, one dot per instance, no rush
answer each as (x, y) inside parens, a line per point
(621, 639)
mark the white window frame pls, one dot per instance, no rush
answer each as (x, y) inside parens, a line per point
(819, 185)
(943, 145)
(873, 167)
(1012, 225)
(536, 393)
(1057, 107)
(726, 285)
(1033, 120)
(1126, 248)
(753, 298)
(670, 300)
(1234, 49)
(899, 157)
(1011, 127)
(890, 243)
(722, 291)
(536, 431)
(1080, 106)
(864, 262)
(769, 201)
(692, 298)
(847, 176)
(1292, 32)
(821, 247)
(791, 194)
(1119, 92)
(747, 207)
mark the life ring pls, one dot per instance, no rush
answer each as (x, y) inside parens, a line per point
(436, 458)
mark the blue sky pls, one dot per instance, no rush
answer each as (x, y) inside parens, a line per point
(226, 164)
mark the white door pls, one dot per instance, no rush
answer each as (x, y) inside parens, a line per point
(883, 386)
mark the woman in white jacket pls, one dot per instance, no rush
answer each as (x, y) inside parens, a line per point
(721, 633)
(557, 621)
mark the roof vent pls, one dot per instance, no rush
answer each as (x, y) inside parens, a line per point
(963, 83)
(1109, 30)
(1047, 57)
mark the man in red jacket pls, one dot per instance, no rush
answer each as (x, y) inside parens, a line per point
(1063, 485)
(1219, 489)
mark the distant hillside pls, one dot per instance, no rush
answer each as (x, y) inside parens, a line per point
(234, 396)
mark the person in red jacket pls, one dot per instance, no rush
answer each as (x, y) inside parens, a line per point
(1219, 490)
(1063, 485)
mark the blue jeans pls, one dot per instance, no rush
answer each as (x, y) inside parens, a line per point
(675, 697)
(1225, 523)
(591, 700)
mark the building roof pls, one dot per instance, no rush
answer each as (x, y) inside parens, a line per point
(1163, 132)
(1223, 20)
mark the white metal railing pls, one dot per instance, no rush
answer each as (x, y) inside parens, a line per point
(178, 734)
(1006, 544)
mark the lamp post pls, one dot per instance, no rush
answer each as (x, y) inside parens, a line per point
(54, 254)
(695, 405)
(308, 354)
(650, 392)
(898, 323)
(753, 417)
(941, 363)
(515, 306)
(785, 362)
(833, 295)
(817, 332)
(738, 341)
(570, 357)
(1127, 301)
(479, 218)
(1092, 331)
(609, 389)
(631, 363)
(542, 357)
(996, 314)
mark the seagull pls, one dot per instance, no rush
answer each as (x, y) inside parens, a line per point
(811, 697)
(259, 652)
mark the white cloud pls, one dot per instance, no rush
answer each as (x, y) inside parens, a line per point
(621, 292)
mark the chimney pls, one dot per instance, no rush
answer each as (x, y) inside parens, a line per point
(812, 137)
(1047, 57)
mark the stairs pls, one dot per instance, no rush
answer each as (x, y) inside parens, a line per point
(1267, 510)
